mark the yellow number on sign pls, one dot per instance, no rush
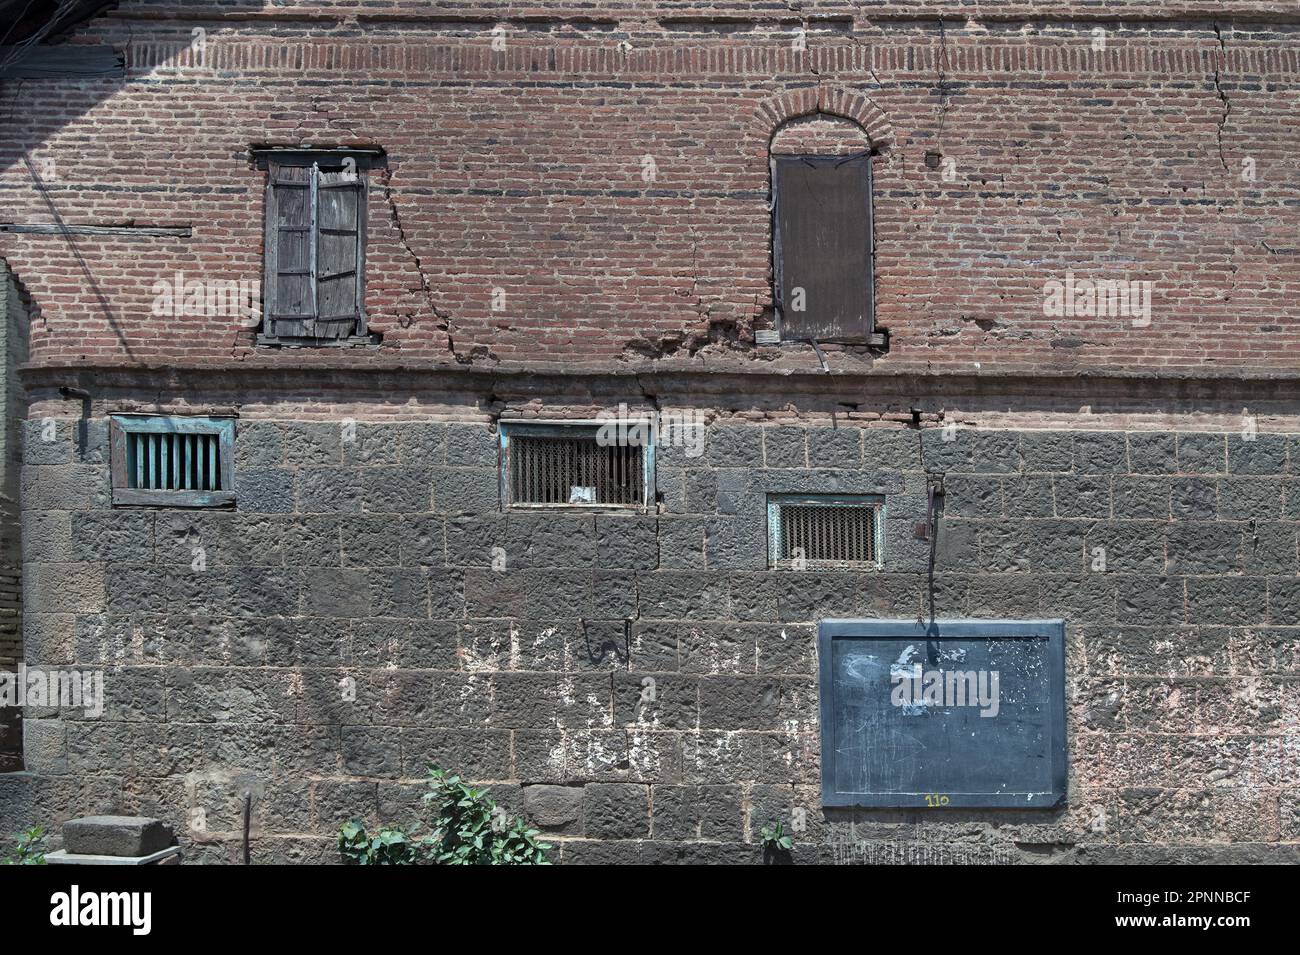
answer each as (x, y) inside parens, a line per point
(935, 799)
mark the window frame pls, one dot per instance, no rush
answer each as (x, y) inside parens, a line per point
(124, 424)
(775, 161)
(775, 502)
(562, 428)
(317, 160)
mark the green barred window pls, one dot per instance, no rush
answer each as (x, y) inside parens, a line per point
(172, 461)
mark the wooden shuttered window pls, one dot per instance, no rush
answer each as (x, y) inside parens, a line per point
(315, 251)
(822, 247)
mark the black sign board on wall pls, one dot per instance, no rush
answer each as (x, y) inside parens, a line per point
(951, 713)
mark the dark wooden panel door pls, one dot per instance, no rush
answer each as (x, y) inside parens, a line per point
(822, 246)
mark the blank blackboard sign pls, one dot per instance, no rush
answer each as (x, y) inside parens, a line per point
(950, 713)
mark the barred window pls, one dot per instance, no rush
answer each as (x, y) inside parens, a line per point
(172, 461)
(827, 531)
(578, 465)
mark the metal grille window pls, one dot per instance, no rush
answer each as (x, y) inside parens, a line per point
(825, 532)
(574, 465)
(181, 462)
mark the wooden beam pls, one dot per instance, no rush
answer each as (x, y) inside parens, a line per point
(50, 228)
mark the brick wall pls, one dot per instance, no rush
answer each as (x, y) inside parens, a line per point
(1163, 155)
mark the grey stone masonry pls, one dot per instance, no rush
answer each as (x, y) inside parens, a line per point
(642, 685)
(122, 836)
(13, 405)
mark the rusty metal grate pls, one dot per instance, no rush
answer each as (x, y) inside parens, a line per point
(574, 469)
(831, 532)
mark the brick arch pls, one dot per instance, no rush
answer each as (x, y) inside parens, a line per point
(819, 134)
(773, 112)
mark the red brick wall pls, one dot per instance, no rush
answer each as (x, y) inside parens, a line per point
(521, 170)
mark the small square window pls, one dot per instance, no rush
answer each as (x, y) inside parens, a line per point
(587, 464)
(171, 461)
(825, 531)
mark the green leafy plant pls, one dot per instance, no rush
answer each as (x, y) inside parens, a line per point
(777, 845)
(30, 848)
(389, 846)
(470, 829)
(775, 839)
(467, 828)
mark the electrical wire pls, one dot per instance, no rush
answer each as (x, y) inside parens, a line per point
(17, 20)
(20, 50)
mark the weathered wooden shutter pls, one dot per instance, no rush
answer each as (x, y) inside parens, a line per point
(288, 291)
(314, 236)
(339, 203)
(822, 247)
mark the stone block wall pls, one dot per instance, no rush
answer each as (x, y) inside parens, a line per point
(231, 641)
(13, 405)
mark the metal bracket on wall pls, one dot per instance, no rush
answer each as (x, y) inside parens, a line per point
(927, 528)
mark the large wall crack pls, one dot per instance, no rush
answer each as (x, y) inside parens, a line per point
(1222, 64)
(426, 289)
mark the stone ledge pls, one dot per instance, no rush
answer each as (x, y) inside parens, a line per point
(169, 856)
(697, 379)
